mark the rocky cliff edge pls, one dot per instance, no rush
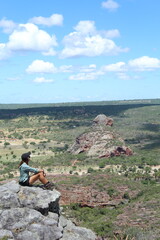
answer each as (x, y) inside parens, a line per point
(32, 213)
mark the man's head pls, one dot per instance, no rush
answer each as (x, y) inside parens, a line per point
(25, 156)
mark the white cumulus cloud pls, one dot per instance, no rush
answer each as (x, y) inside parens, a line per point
(90, 46)
(144, 63)
(122, 70)
(40, 66)
(42, 80)
(50, 52)
(86, 75)
(115, 67)
(110, 5)
(90, 68)
(28, 37)
(54, 19)
(85, 27)
(7, 25)
(4, 51)
(89, 42)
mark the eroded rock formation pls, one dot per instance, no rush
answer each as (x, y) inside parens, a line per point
(33, 213)
(100, 141)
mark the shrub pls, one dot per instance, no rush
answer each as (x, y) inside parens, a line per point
(111, 192)
(102, 164)
(90, 170)
(126, 195)
(10, 175)
(6, 144)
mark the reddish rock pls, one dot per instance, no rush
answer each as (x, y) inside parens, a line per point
(118, 151)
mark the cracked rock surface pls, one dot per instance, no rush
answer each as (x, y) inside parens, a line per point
(32, 213)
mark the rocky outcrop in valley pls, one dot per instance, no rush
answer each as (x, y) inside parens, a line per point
(100, 140)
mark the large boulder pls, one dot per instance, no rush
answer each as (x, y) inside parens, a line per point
(25, 223)
(72, 232)
(102, 119)
(38, 199)
(33, 213)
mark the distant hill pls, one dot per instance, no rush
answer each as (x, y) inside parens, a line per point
(87, 110)
(118, 102)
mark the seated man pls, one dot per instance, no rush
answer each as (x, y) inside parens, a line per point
(39, 174)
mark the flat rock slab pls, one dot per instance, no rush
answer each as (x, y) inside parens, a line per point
(42, 200)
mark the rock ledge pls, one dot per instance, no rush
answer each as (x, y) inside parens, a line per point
(33, 213)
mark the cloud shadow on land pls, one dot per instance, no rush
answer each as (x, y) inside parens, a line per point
(82, 111)
(153, 127)
(153, 142)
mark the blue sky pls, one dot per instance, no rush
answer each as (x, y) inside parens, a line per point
(79, 50)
